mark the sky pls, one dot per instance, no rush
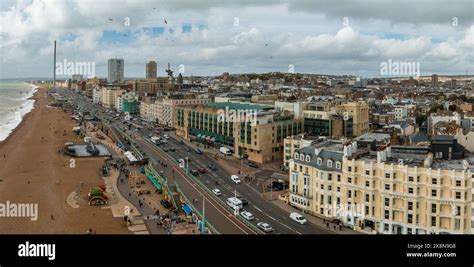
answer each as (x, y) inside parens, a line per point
(352, 37)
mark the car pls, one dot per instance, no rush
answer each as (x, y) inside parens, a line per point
(235, 179)
(265, 227)
(166, 136)
(187, 149)
(202, 170)
(181, 142)
(247, 215)
(212, 167)
(295, 216)
(166, 149)
(198, 151)
(216, 192)
(245, 202)
(172, 149)
(253, 164)
(165, 203)
(194, 172)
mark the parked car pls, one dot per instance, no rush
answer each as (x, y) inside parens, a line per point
(247, 215)
(165, 203)
(194, 172)
(172, 149)
(181, 142)
(165, 149)
(295, 216)
(187, 149)
(212, 167)
(265, 227)
(253, 164)
(245, 202)
(202, 170)
(216, 192)
(198, 151)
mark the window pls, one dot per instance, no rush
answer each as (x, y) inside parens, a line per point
(387, 175)
(329, 176)
(458, 195)
(338, 177)
(296, 155)
(301, 157)
(320, 161)
(349, 180)
(349, 168)
(338, 165)
(434, 181)
(367, 198)
(387, 186)
(308, 158)
(458, 183)
(329, 188)
(322, 186)
(410, 179)
(338, 189)
(367, 172)
(433, 221)
(433, 208)
(410, 205)
(367, 183)
(410, 190)
(410, 218)
(434, 193)
(329, 163)
(349, 193)
(387, 202)
(386, 214)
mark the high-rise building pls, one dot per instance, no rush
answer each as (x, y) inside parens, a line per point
(151, 70)
(434, 80)
(115, 70)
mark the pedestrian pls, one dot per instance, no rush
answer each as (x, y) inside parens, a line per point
(334, 227)
(327, 224)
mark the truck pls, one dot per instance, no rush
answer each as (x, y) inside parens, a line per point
(234, 203)
(226, 151)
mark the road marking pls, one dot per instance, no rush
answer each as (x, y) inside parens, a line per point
(258, 209)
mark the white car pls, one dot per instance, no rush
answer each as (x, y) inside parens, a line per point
(235, 179)
(166, 136)
(247, 215)
(265, 227)
(216, 192)
(295, 216)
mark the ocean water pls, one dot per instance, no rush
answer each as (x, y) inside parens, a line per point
(14, 105)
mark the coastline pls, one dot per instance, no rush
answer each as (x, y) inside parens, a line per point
(26, 116)
(33, 171)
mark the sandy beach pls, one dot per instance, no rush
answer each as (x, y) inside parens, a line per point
(30, 167)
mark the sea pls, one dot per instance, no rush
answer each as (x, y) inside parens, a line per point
(14, 105)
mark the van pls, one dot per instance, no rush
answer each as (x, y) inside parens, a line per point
(226, 151)
(295, 216)
(253, 164)
(234, 203)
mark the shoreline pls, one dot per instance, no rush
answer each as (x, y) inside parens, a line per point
(25, 117)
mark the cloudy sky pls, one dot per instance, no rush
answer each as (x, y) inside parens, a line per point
(211, 37)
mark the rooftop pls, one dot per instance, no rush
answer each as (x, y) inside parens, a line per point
(240, 106)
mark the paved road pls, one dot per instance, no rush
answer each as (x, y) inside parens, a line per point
(263, 210)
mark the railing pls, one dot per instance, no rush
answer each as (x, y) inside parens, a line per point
(209, 225)
(208, 191)
(163, 182)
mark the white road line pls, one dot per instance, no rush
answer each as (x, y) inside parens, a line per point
(258, 209)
